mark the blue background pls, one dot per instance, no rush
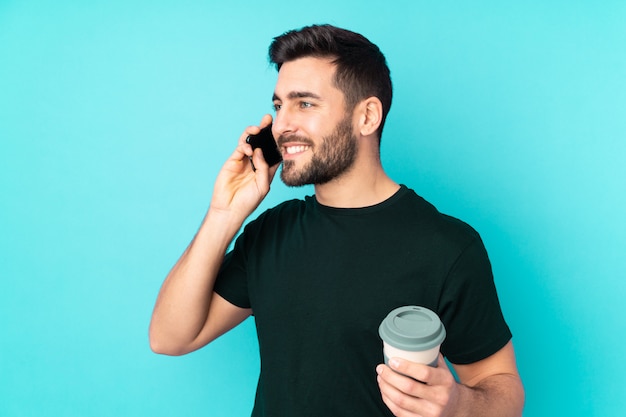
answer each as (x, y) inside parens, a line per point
(116, 116)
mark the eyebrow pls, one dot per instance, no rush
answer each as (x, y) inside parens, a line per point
(297, 94)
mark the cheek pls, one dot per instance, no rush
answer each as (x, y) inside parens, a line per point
(318, 126)
(312, 127)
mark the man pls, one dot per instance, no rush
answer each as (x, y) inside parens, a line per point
(319, 275)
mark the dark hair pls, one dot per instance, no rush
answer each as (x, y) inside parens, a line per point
(362, 69)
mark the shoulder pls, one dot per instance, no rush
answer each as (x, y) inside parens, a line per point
(437, 224)
(283, 213)
(286, 208)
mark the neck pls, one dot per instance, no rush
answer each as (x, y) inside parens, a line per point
(365, 184)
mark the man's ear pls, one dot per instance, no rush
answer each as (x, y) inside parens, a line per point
(370, 113)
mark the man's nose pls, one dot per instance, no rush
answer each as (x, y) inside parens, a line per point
(284, 123)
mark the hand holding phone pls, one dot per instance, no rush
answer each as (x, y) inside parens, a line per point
(265, 140)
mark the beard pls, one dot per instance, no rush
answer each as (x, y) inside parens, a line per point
(332, 158)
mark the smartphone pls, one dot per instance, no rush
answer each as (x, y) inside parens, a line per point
(265, 141)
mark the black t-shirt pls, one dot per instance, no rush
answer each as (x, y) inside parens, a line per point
(320, 280)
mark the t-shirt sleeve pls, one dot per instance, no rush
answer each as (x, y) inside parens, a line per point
(470, 309)
(232, 281)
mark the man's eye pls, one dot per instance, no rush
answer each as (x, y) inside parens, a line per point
(277, 106)
(305, 104)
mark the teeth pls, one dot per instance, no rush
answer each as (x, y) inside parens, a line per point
(290, 150)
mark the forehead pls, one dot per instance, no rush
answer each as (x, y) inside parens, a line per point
(309, 74)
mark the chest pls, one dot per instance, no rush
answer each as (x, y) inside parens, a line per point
(342, 275)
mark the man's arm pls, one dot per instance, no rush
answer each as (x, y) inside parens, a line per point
(487, 388)
(188, 314)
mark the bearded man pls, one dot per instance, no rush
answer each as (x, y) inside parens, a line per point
(320, 274)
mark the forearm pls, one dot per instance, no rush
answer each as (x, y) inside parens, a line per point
(495, 396)
(182, 306)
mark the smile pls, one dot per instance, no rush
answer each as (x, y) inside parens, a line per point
(291, 150)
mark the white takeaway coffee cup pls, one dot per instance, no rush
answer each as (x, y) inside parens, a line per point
(412, 333)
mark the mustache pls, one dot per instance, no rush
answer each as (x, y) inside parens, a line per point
(282, 139)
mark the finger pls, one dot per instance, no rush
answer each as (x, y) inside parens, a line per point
(443, 366)
(264, 173)
(273, 170)
(266, 120)
(258, 161)
(398, 402)
(437, 385)
(400, 382)
(395, 410)
(438, 375)
(254, 130)
(242, 152)
(425, 373)
(416, 371)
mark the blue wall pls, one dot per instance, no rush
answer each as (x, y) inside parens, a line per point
(115, 117)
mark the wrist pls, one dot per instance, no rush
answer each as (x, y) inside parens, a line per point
(222, 224)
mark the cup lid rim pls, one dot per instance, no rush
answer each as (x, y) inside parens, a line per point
(412, 328)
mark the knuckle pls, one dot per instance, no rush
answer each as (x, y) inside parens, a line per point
(409, 386)
(427, 373)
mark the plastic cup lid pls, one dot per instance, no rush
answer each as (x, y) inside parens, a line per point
(412, 328)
